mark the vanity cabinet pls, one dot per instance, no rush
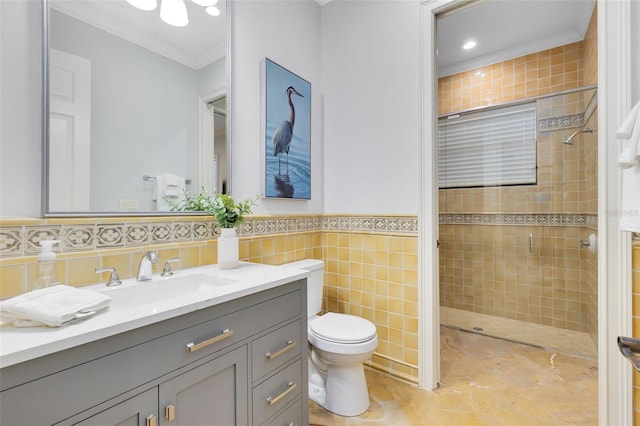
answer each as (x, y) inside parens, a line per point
(242, 362)
(141, 410)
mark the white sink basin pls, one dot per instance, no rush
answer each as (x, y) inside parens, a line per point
(159, 291)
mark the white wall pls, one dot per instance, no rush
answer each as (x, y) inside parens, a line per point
(287, 32)
(20, 108)
(371, 87)
(635, 51)
(144, 113)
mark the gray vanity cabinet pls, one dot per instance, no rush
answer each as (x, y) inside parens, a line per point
(242, 362)
(140, 410)
(212, 394)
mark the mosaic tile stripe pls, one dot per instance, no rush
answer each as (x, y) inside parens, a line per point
(391, 224)
(561, 122)
(23, 241)
(519, 219)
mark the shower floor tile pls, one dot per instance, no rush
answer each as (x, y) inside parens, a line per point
(551, 338)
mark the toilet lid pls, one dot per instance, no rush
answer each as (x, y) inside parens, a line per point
(342, 328)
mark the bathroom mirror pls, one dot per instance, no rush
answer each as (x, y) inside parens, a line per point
(136, 107)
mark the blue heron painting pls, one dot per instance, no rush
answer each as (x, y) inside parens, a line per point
(287, 134)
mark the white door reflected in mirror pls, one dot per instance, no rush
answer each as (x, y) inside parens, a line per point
(69, 131)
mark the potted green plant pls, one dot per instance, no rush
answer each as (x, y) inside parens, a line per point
(229, 215)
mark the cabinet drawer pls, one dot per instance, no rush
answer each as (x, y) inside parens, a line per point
(276, 392)
(276, 349)
(214, 335)
(292, 416)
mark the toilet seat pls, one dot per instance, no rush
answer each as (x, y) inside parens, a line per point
(342, 328)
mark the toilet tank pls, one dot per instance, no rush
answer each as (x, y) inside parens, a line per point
(314, 282)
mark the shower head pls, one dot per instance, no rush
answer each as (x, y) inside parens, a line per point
(569, 140)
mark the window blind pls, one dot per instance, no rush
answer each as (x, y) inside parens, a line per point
(489, 148)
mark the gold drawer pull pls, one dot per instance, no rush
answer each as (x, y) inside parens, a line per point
(290, 387)
(290, 345)
(226, 333)
(151, 421)
(170, 413)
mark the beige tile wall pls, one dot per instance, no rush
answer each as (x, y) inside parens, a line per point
(590, 72)
(489, 268)
(375, 275)
(493, 270)
(77, 267)
(541, 73)
(371, 262)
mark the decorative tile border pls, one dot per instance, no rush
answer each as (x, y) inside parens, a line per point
(568, 121)
(83, 235)
(16, 240)
(391, 224)
(590, 221)
(562, 122)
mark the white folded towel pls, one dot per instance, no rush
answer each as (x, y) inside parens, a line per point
(629, 161)
(626, 129)
(630, 130)
(54, 306)
(630, 200)
(168, 187)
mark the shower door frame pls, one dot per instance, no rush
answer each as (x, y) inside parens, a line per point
(614, 261)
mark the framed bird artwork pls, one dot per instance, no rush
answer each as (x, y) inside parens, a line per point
(287, 141)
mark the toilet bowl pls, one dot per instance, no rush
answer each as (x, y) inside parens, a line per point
(338, 346)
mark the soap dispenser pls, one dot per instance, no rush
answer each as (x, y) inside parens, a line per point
(47, 275)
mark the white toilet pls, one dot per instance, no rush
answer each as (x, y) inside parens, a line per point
(338, 346)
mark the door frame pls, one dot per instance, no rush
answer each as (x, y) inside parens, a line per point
(206, 138)
(614, 261)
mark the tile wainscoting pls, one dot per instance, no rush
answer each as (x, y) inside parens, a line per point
(371, 262)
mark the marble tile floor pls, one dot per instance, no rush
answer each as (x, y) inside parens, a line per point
(484, 381)
(552, 338)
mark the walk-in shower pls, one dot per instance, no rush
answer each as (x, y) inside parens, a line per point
(514, 206)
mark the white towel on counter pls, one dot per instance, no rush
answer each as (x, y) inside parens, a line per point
(53, 306)
(169, 189)
(629, 161)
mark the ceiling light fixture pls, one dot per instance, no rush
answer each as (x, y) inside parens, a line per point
(174, 12)
(213, 11)
(205, 3)
(469, 45)
(144, 4)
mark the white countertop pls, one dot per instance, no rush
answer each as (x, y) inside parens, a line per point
(137, 304)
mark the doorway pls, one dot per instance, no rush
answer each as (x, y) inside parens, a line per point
(613, 307)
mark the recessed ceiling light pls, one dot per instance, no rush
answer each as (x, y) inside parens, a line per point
(469, 45)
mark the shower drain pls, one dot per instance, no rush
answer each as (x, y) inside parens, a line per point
(478, 328)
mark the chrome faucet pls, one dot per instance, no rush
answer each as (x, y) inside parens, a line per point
(145, 270)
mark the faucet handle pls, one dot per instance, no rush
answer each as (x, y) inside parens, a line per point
(114, 278)
(167, 272)
(152, 256)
